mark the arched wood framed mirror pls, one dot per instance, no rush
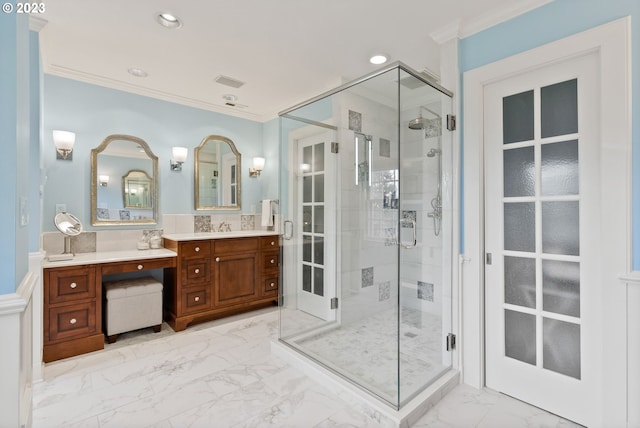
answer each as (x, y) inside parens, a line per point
(217, 174)
(130, 160)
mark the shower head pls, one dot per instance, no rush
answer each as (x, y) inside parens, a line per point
(418, 123)
(433, 152)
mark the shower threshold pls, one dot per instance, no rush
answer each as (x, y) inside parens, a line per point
(377, 409)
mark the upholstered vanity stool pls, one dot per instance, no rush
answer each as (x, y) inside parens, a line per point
(132, 304)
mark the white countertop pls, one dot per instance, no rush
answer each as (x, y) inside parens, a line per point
(218, 235)
(110, 256)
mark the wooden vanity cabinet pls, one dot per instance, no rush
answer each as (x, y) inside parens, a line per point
(72, 312)
(219, 277)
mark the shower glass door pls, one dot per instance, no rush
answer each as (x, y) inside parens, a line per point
(385, 233)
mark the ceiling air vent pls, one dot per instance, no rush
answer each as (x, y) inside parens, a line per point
(228, 81)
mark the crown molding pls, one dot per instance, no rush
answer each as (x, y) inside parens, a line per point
(94, 79)
(446, 33)
(498, 16)
(36, 23)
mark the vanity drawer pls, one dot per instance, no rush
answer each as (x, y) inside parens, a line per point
(240, 245)
(270, 261)
(270, 284)
(70, 321)
(136, 265)
(196, 271)
(67, 285)
(269, 242)
(195, 300)
(195, 249)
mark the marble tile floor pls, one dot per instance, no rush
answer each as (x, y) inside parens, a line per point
(221, 374)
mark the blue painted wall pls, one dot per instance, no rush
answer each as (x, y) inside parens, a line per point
(14, 137)
(34, 142)
(94, 112)
(551, 22)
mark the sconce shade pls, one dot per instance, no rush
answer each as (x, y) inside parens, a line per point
(104, 180)
(179, 154)
(258, 164)
(64, 141)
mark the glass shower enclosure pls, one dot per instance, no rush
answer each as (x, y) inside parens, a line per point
(366, 202)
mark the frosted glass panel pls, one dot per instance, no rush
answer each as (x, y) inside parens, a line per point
(318, 250)
(519, 226)
(561, 347)
(517, 117)
(559, 108)
(318, 281)
(318, 160)
(520, 281)
(307, 154)
(520, 336)
(561, 228)
(307, 189)
(561, 287)
(306, 278)
(306, 219)
(519, 172)
(560, 169)
(318, 219)
(319, 188)
(306, 249)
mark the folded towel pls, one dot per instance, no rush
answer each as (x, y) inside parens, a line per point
(267, 213)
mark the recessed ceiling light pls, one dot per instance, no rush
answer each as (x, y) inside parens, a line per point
(168, 20)
(378, 59)
(230, 97)
(138, 72)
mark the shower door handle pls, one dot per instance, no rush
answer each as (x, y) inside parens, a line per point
(414, 241)
(288, 231)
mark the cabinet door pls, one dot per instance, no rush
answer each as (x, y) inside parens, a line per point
(70, 284)
(235, 278)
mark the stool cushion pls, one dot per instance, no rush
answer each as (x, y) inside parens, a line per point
(131, 287)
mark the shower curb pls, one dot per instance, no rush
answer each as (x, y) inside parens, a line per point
(376, 410)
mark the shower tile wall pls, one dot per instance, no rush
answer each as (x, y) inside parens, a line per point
(419, 178)
(364, 243)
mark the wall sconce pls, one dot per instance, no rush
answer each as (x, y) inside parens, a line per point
(258, 166)
(179, 157)
(103, 180)
(64, 141)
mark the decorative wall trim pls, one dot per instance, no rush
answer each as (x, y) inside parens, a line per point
(461, 29)
(36, 24)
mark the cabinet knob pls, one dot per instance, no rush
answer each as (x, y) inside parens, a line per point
(273, 242)
(140, 267)
(273, 261)
(197, 249)
(73, 321)
(272, 284)
(217, 259)
(73, 285)
(197, 299)
(197, 271)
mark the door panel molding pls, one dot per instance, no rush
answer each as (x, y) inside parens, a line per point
(612, 44)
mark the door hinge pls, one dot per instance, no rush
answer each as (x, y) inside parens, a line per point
(489, 259)
(451, 122)
(451, 342)
(334, 303)
(334, 147)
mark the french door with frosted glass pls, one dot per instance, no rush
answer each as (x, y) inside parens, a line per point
(315, 220)
(542, 229)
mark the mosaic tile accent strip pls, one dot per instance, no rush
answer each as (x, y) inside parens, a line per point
(102, 213)
(385, 148)
(125, 215)
(409, 215)
(384, 291)
(425, 291)
(202, 223)
(433, 128)
(247, 222)
(367, 277)
(355, 121)
(390, 237)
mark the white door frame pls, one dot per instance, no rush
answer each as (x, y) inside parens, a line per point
(612, 43)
